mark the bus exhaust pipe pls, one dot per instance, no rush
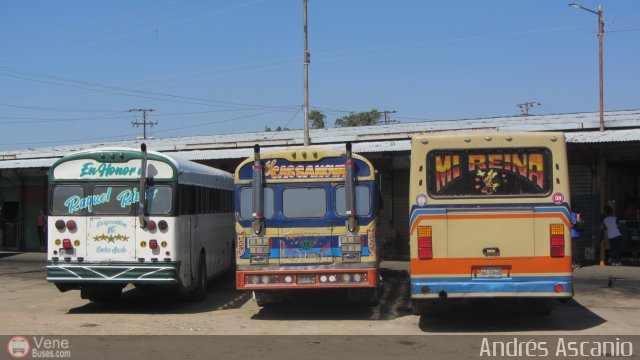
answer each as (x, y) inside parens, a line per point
(258, 192)
(143, 185)
(349, 190)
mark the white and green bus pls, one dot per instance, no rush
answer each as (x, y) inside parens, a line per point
(102, 235)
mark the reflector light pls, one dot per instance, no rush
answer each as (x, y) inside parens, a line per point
(153, 244)
(424, 231)
(71, 225)
(558, 288)
(289, 279)
(332, 278)
(151, 225)
(425, 243)
(346, 277)
(163, 225)
(66, 243)
(58, 242)
(556, 240)
(265, 279)
(357, 277)
(60, 224)
(425, 254)
(323, 279)
(76, 243)
(163, 244)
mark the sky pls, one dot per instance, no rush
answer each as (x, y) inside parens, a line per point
(71, 71)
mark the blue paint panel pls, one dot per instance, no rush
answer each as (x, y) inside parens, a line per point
(316, 242)
(536, 284)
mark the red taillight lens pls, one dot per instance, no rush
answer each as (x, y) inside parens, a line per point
(163, 225)
(151, 225)
(558, 288)
(60, 224)
(153, 244)
(425, 243)
(71, 225)
(66, 243)
(557, 240)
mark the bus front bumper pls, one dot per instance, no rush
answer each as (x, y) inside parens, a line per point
(560, 287)
(307, 279)
(113, 273)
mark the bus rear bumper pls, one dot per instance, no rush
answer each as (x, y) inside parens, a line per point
(550, 287)
(166, 273)
(307, 279)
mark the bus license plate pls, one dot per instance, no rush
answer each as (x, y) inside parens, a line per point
(490, 272)
(306, 279)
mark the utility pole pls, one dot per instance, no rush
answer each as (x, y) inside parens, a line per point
(386, 115)
(525, 107)
(307, 58)
(144, 122)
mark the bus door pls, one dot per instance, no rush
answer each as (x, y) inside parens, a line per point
(305, 237)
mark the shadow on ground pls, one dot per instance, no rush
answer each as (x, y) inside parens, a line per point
(492, 315)
(327, 304)
(221, 295)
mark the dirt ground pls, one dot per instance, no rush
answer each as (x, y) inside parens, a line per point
(33, 306)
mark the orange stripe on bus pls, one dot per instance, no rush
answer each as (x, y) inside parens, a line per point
(519, 265)
(487, 216)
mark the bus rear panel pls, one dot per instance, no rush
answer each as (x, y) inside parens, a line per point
(489, 217)
(303, 239)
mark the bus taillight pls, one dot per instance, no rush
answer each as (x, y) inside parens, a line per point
(163, 225)
(153, 244)
(66, 244)
(557, 240)
(425, 243)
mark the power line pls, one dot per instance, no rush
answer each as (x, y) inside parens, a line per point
(524, 107)
(144, 122)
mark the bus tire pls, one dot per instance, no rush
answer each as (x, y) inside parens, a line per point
(417, 307)
(266, 298)
(199, 293)
(366, 297)
(101, 293)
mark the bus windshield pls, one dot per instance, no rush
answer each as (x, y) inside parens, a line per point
(491, 172)
(109, 199)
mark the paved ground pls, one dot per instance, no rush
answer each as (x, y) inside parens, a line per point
(30, 305)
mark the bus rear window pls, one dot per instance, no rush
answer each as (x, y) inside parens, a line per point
(304, 202)
(65, 199)
(489, 172)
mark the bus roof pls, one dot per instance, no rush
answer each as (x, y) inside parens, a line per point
(500, 138)
(324, 161)
(120, 163)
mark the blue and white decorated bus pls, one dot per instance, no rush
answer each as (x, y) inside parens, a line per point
(102, 235)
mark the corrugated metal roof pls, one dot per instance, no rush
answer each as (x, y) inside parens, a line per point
(365, 139)
(607, 136)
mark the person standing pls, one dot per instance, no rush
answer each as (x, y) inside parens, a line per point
(42, 223)
(613, 235)
(577, 225)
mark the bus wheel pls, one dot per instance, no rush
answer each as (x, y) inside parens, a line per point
(366, 297)
(266, 298)
(417, 307)
(102, 293)
(200, 291)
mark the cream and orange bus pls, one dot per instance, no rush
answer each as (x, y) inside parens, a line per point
(489, 218)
